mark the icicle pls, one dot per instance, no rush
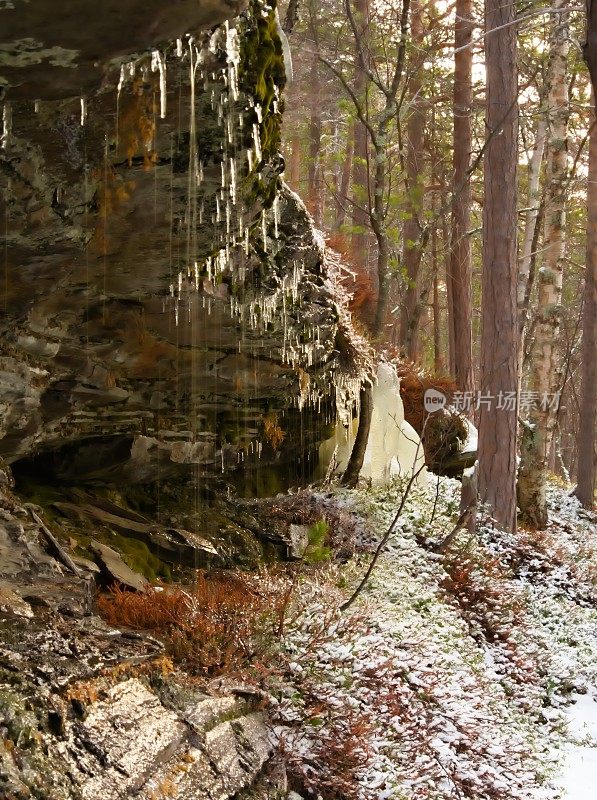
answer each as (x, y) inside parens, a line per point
(276, 215)
(257, 142)
(158, 64)
(233, 54)
(264, 230)
(6, 125)
(83, 111)
(179, 48)
(36, 106)
(232, 163)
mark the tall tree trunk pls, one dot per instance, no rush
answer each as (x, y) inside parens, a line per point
(537, 436)
(360, 161)
(460, 250)
(588, 392)
(449, 299)
(438, 362)
(315, 187)
(344, 185)
(411, 233)
(499, 330)
(294, 176)
(531, 225)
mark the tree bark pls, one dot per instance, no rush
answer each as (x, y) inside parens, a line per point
(351, 474)
(588, 392)
(499, 329)
(530, 227)
(532, 477)
(460, 250)
(315, 187)
(344, 185)
(411, 233)
(294, 177)
(438, 362)
(360, 161)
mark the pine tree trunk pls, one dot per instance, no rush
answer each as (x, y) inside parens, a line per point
(438, 362)
(411, 233)
(588, 393)
(360, 161)
(532, 478)
(460, 250)
(499, 339)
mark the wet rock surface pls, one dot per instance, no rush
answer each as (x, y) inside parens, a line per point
(90, 711)
(149, 326)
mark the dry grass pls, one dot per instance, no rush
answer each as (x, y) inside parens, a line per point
(224, 623)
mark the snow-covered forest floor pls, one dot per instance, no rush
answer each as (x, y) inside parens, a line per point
(454, 674)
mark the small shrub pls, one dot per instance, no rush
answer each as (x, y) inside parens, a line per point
(316, 549)
(221, 624)
(308, 508)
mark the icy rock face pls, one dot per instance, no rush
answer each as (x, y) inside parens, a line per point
(394, 447)
(162, 289)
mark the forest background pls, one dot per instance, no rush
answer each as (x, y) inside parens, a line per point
(448, 152)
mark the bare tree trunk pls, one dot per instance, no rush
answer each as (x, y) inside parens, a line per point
(530, 227)
(449, 298)
(291, 17)
(360, 160)
(344, 184)
(588, 393)
(532, 477)
(499, 330)
(411, 233)
(351, 474)
(315, 187)
(438, 362)
(294, 176)
(460, 250)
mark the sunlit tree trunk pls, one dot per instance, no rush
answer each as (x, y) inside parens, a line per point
(531, 224)
(411, 233)
(460, 250)
(537, 434)
(499, 330)
(588, 393)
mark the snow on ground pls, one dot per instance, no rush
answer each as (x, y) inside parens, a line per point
(578, 773)
(452, 675)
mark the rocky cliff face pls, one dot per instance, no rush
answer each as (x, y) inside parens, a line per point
(164, 300)
(166, 321)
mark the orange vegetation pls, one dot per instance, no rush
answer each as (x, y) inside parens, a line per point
(220, 624)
